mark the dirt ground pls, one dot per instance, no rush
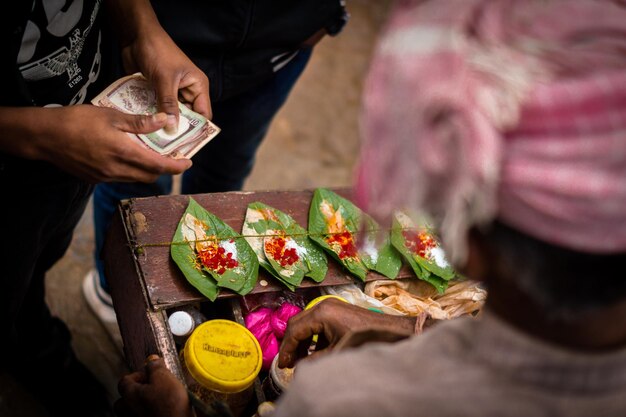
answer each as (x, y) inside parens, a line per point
(313, 142)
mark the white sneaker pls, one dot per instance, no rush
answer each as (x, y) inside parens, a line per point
(102, 306)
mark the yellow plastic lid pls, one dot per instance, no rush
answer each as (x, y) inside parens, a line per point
(322, 298)
(223, 356)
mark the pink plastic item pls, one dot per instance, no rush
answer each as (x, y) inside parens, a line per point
(280, 318)
(269, 326)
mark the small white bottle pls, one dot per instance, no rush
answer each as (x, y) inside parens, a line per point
(183, 322)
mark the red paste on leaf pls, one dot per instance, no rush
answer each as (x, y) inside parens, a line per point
(275, 247)
(419, 243)
(215, 258)
(343, 244)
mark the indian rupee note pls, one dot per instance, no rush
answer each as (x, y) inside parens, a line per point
(134, 95)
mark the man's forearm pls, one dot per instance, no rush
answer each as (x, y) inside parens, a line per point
(399, 324)
(22, 128)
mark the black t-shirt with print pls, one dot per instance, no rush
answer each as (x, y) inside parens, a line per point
(241, 44)
(60, 57)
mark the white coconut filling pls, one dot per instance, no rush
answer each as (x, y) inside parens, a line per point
(229, 247)
(440, 257)
(370, 250)
(291, 244)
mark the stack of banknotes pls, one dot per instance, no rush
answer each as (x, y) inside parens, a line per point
(134, 95)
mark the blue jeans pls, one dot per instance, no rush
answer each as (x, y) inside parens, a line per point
(223, 164)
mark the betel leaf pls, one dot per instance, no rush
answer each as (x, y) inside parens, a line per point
(422, 257)
(312, 256)
(397, 240)
(254, 229)
(435, 260)
(381, 257)
(216, 251)
(184, 255)
(282, 253)
(330, 221)
(334, 224)
(255, 240)
(282, 246)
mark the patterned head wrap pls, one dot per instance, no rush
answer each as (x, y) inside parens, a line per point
(516, 110)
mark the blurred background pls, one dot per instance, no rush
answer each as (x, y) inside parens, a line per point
(313, 142)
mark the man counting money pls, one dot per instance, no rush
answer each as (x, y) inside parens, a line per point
(135, 95)
(52, 146)
(253, 53)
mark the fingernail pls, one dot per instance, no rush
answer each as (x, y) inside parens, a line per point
(170, 126)
(159, 117)
(152, 358)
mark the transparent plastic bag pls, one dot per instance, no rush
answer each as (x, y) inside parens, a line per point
(355, 295)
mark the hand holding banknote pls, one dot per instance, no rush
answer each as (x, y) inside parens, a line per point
(134, 95)
(93, 143)
(89, 142)
(122, 140)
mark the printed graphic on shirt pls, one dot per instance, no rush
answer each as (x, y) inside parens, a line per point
(60, 53)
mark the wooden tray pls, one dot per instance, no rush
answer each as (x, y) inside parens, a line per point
(145, 281)
(153, 222)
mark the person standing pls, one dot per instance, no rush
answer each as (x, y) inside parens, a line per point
(53, 147)
(253, 52)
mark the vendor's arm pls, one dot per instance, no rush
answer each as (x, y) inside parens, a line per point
(331, 319)
(147, 48)
(87, 141)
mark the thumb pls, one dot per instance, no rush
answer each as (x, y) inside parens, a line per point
(142, 123)
(167, 101)
(154, 363)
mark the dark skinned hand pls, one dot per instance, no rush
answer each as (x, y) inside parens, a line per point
(331, 319)
(152, 392)
(87, 141)
(172, 74)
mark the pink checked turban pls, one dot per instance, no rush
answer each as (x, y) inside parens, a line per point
(508, 109)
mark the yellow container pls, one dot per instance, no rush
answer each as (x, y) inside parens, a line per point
(322, 298)
(222, 359)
